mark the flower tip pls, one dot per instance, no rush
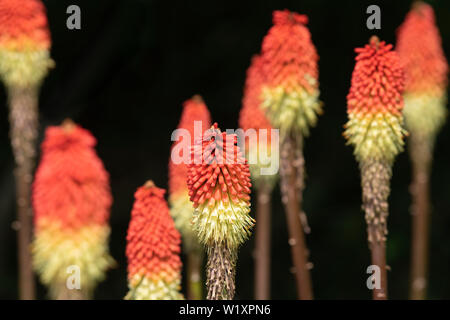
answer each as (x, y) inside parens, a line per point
(374, 41)
(285, 16)
(197, 98)
(68, 125)
(149, 184)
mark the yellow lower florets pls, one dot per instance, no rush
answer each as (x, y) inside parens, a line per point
(182, 211)
(425, 114)
(377, 136)
(24, 68)
(55, 250)
(261, 172)
(143, 288)
(291, 110)
(223, 223)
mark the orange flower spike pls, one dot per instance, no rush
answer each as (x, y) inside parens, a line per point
(219, 186)
(252, 116)
(24, 42)
(71, 200)
(153, 248)
(289, 65)
(181, 208)
(375, 103)
(419, 46)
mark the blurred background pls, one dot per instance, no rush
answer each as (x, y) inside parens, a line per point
(125, 75)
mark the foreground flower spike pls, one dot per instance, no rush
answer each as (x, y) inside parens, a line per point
(253, 117)
(420, 49)
(290, 96)
(374, 107)
(71, 200)
(219, 187)
(24, 62)
(194, 113)
(153, 248)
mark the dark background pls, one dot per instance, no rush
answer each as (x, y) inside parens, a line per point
(124, 76)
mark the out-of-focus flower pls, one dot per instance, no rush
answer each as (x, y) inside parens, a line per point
(252, 116)
(71, 201)
(419, 47)
(180, 207)
(153, 248)
(375, 103)
(289, 64)
(24, 42)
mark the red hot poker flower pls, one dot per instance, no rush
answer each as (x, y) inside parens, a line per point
(180, 207)
(153, 248)
(193, 110)
(420, 50)
(219, 186)
(24, 43)
(71, 200)
(252, 116)
(289, 66)
(375, 103)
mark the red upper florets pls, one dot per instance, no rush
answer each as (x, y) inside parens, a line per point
(153, 243)
(420, 50)
(71, 186)
(193, 110)
(219, 172)
(251, 115)
(377, 80)
(288, 54)
(23, 20)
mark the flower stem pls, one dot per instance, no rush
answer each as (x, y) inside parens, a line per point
(378, 256)
(221, 272)
(292, 167)
(421, 157)
(262, 240)
(23, 118)
(375, 180)
(194, 271)
(63, 293)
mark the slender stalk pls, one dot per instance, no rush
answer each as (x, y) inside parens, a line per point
(221, 270)
(378, 256)
(262, 240)
(63, 293)
(292, 167)
(23, 118)
(421, 156)
(375, 180)
(194, 271)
